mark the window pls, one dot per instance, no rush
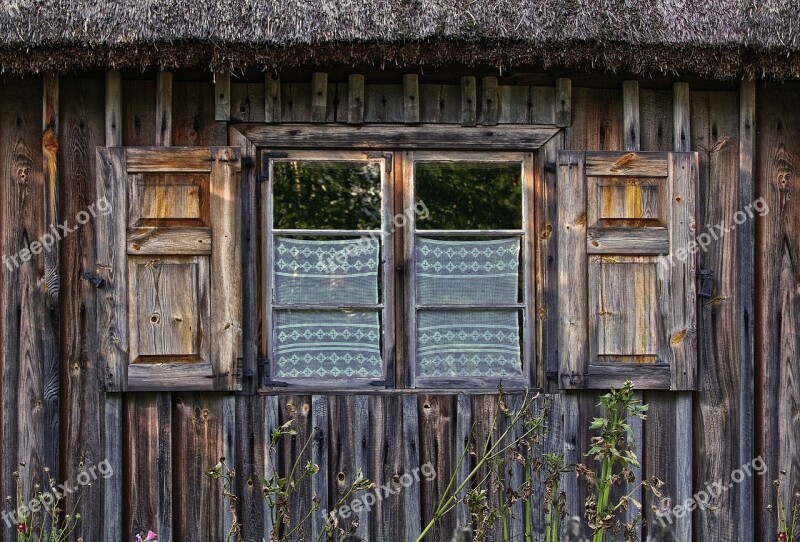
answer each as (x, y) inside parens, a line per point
(469, 290)
(329, 273)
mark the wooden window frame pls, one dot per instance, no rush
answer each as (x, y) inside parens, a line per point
(393, 140)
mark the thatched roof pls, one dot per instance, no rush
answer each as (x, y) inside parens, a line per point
(721, 38)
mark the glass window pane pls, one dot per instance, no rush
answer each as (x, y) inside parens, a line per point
(335, 195)
(327, 344)
(332, 271)
(467, 272)
(469, 195)
(468, 343)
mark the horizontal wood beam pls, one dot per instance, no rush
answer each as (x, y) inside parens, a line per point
(428, 136)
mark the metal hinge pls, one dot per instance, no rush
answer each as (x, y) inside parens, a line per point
(266, 376)
(385, 155)
(266, 157)
(707, 282)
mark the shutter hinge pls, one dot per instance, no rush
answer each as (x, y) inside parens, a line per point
(95, 280)
(385, 155)
(266, 376)
(550, 167)
(266, 157)
(707, 282)
(551, 375)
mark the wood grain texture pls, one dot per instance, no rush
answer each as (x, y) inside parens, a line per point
(247, 102)
(251, 438)
(355, 99)
(138, 111)
(272, 97)
(489, 99)
(384, 103)
(320, 456)
(437, 425)
(563, 102)
(193, 115)
(411, 497)
(630, 115)
(113, 112)
(597, 119)
(222, 96)
(681, 101)
(777, 295)
(83, 404)
(164, 109)
(715, 133)
(514, 105)
(24, 316)
(440, 103)
(411, 98)
(295, 102)
(197, 439)
(148, 461)
(469, 101)
(386, 464)
(319, 96)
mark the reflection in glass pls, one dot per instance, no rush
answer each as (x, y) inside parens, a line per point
(470, 195)
(338, 195)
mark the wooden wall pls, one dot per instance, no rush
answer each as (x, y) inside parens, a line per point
(55, 413)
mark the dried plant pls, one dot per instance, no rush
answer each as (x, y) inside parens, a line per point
(787, 516)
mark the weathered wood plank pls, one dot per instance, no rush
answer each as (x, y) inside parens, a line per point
(596, 119)
(271, 461)
(319, 96)
(436, 448)
(164, 109)
(297, 409)
(193, 115)
(222, 96)
(349, 437)
(384, 103)
(514, 104)
(82, 400)
(51, 284)
(656, 117)
(469, 101)
(411, 497)
(138, 112)
(681, 115)
(573, 312)
(715, 131)
(411, 98)
(630, 115)
(169, 241)
(197, 443)
(484, 412)
(627, 164)
(543, 105)
(355, 99)
(440, 103)
(247, 102)
(563, 102)
(461, 448)
(489, 102)
(296, 102)
(778, 299)
(251, 437)
(320, 457)
(113, 113)
(22, 202)
(147, 430)
(386, 416)
(272, 97)
(154, 160)
(402, 137)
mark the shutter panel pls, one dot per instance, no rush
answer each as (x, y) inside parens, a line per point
(626, 287)
(170, 254)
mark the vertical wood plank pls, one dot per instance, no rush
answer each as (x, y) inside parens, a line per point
(563, 102)
(463, 434)
(252, 433)
(296, 102)
(440, 103)
(514, 104)
(436, 430)
(363, 453)
(271, 422)
(138, 112)
(384, 103)
(778, 298)
(489, 101)
(51, 285)
(715, 133)
(386, 416)
(319, 96)
(632, 142)
(222, 96)
(355, 99)
(84, 404)
(469, 101)
(411, 98)
(22, 203)
(272, 97)
(297, 409)
(197, 444)
(543, 105)
(193, 114)
(630, 115)
(113, 113)
(411, 453)
(147, 457)
(320, 457)
(514, 475)
(484, 410)
(164, 109)
(681, 116)
(247, 102)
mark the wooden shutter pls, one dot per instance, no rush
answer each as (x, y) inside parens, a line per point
(169, 313)
(626, 268)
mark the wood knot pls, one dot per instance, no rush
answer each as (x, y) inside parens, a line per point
(50, 142)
